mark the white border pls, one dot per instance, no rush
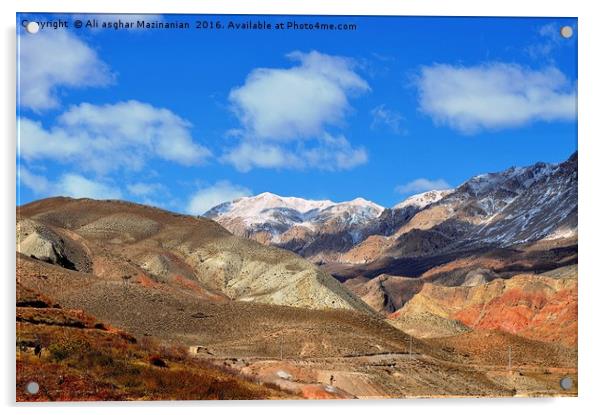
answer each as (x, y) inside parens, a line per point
(590, 206)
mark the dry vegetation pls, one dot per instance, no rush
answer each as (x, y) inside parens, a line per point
(83, 359)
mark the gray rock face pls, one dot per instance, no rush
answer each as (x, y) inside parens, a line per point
(538, 202)
(518, 205)
(41, 242)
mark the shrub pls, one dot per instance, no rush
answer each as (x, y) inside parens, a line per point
(65, 348)
(156, 360)
(176, 352)
(100, 359)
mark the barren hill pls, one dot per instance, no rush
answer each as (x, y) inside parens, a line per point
(115, 240)
(539, 307)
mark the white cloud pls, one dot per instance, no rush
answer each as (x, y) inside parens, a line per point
(383, 116)
(248, 155)
(550, 30)
(75, 185)
(284, 114)
(298, 102)
(549, 40)
(208, 197)
(104, 138)
(422, 185)
(334, 153)
(38, 184)
(494, 96)
(52, 59)
(70, 184)
(328, 153)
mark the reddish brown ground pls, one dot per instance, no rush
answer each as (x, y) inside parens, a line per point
(83, 359)
(551, 318)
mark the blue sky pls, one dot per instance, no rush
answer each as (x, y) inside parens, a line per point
(186, 119)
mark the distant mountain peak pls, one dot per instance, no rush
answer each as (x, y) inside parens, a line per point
(422, 200)
(280, 219)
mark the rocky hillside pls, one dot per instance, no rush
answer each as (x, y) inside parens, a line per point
(312, 228)
(540, 307)
(265, 312)
(123, 241)
(518, 205)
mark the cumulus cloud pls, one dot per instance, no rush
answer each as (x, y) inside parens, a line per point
(422, 185)
(285, 114)
(494, 96)
(248, 155)
(327, 153)
(298, 102)
(208, 197)
(70, 184)
(385, 117)
(53, 59)
(104, 138)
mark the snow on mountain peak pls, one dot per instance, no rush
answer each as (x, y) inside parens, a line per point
(269, 200)
(262, 207)
(521, 176)
(266, 208)
(361, 203)
(422, 200)
(516, 205)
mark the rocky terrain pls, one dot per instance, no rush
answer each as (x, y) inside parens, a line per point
(498, 252)
(313, 228)
(494, 210)
(72, 356)
(266, 351)
(538, 307)
(127, 242)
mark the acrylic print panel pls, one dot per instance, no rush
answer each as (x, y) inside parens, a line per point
(295, 207)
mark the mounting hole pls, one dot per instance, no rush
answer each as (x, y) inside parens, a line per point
(32, 27)
(566, 383)
(32, 388)
(566, 32)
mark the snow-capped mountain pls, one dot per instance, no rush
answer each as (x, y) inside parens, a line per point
(520, 204)
(530, 204)
(296, 223)
(270, 208)
(422, 200)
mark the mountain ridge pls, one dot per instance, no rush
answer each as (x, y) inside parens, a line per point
(516, 205)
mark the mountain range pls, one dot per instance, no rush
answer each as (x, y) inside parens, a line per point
(518, 205)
